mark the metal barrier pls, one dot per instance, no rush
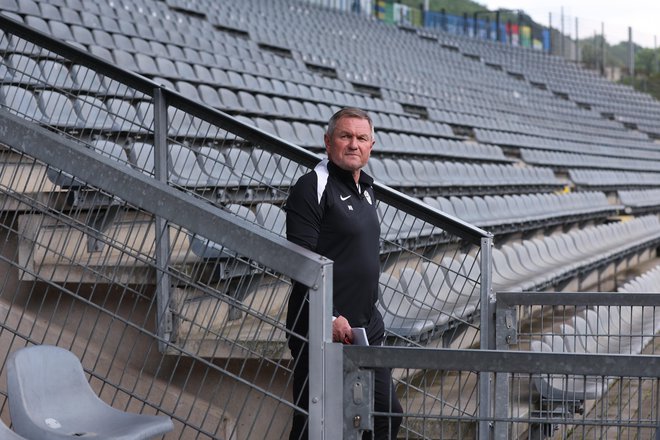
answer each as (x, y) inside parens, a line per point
(144, 232)
(590, 333)
(443, 372)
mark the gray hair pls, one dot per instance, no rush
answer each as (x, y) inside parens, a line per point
(349, 112)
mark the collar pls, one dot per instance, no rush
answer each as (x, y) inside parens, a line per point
(347, 176)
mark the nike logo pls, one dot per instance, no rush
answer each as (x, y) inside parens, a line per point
(344, 198)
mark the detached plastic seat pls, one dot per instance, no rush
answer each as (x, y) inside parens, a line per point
(51, 399)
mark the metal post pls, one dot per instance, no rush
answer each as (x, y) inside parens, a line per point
(162, 245)
(550, 48)
(602, 48)
(631, 54)
(655, 53)
(577, 42)
(475, 25)
(325, 397)
(505, 330)
(487, 337)
(561, 35)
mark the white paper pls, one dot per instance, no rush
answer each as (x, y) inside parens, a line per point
(360, 336)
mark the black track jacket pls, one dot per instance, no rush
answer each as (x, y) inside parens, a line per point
(327, 214)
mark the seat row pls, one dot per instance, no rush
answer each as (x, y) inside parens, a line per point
(85, 112)
(204, 167)
(568, 160)
(608, 179)
(414, 173)
(543, 262)
(99, 29)
(513, 209)
(212, 69)
(645, 198)
(266, 215)
(624, 330)
(631, 149)
(423, 302)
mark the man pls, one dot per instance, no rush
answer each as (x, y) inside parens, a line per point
(332, 211)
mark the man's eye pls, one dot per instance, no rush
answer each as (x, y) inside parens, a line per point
(363, 139)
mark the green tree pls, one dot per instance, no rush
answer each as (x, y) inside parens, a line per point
(646, 61)
(592, 53)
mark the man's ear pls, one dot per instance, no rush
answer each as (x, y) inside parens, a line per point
(326, 141)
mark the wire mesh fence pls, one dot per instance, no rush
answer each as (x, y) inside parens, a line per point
(569, 405)
(92, 290)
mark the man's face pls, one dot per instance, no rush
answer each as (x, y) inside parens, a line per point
(350, 145)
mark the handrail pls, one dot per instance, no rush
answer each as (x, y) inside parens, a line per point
(499, 361)
(509, 299)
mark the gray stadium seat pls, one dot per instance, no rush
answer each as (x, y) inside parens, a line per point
(56, 74)
(271, 217)
(266, 165)
(400, 316)
(242, 165)
(111, 150)
(94, 114)
(125, 116)
(430, 305)
(563, 388)
(24, 70)
(50, 398)
(217, 169)
(186, 170)
(58, 110)
(87, 79)
(21, 102)
(209, 96)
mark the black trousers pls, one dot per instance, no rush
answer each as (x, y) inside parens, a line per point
(385, 399)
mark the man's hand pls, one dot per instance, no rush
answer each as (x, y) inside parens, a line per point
(341, 331)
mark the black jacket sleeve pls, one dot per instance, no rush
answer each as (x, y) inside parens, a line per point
(304, 213)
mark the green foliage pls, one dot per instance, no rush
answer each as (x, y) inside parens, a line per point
(647, 61)
(592, 50)
(650, 84)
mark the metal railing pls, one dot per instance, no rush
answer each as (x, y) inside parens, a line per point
(591, 334)
(443, 372)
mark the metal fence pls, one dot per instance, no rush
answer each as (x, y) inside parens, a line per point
(576, 365)
(585, 398)
(145, 233)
